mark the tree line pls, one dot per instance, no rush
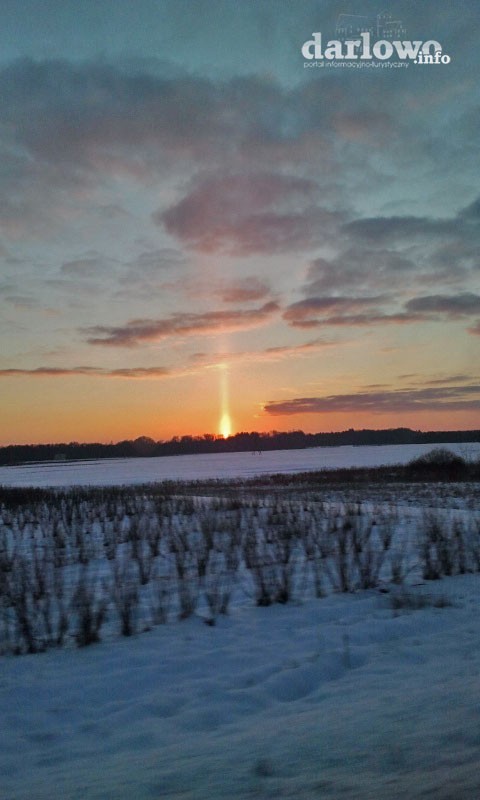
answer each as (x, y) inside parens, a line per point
(254, 442)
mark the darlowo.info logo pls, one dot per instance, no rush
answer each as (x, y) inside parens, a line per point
(378, 41)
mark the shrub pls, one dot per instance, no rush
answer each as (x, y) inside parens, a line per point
(125, 593)
(90, 604)
(438, 464)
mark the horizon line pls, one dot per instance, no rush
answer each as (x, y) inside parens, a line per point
(217, 437)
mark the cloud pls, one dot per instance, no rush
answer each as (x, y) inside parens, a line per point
(284, 351)
(90, 117)
(359, 267)
(459, 378)
(21, 301)
(446, 398)
(149, 272)
(138, 116)
(363, 126)
(397, 229)
(269, 354)
(87, 105)
(471, 213)
(247, 290)
(405, 253)
(139, 372)
(246, 214)
(458, 305)
(67, 125)
(151, 262)
(182, 324)
(101, 372)
(317, 311)
(90, 266)
(361, 320)
(408, 229)
(197, 361)
(452, 379)
(50, 371)
(364, 311)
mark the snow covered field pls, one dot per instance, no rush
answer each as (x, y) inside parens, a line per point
(115, 472)
(338, 698)
(367, 695)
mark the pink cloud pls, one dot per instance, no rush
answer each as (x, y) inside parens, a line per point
(99, 372)
(182, 324)
(243, 291)
(245, 214)
(277, 353)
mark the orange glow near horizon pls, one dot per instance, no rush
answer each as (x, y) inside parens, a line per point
(87, 409)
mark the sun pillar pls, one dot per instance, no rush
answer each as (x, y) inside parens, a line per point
(225, 420)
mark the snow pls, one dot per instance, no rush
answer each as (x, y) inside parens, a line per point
(114, 472)
(339, 697)
(327, 699)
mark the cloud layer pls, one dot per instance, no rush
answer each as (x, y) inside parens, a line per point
(100, 372)
(136, 331)
(145, 201)
(445, 398)
(246, 214)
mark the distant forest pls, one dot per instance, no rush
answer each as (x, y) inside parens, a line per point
(240, 442)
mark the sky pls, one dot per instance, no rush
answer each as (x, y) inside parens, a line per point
(200, 234)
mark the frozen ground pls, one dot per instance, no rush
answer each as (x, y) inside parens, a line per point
(114, 472)
(337, 698)
(340, 697)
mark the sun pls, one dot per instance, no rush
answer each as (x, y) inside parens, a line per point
(226, 426)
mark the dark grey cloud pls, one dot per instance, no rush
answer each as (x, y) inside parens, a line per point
(358, 268)
(454, 260)
(137, 331)
(380, 309)
(408, 229)
(66, 113)
(360, 320)
(458, 305)
(317, 311)
(471, 213)
(68, 125)
(397, 229)
(96, 115)
(446, 398)
(243, 214)
(405, 254)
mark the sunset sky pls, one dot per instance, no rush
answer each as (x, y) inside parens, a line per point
(194, 226)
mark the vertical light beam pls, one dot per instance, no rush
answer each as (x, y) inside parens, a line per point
(225, 421)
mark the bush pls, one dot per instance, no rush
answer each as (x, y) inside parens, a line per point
(75, 562)
(438, 464)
